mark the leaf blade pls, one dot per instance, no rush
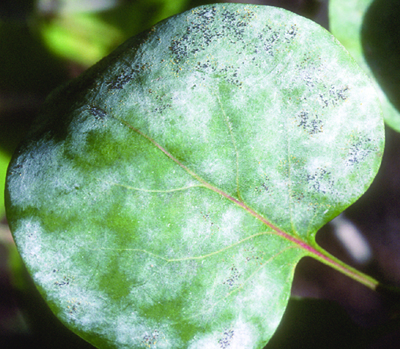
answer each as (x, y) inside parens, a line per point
(192, 181)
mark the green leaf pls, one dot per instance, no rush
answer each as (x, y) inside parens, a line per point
(82, 33)
(4, 160)
(369, 31)
(81, 37)
(164, 198)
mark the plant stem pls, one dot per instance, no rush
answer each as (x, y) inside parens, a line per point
(326, 258)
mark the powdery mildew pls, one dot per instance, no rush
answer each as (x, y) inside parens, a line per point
(147, 233)
(239, 335)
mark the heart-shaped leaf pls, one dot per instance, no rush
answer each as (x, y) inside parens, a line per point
(165, 197)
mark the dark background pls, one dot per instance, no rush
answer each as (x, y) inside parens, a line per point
(328, 310)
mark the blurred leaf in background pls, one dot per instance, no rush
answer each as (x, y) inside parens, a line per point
(85, 31)
(4, 160)
(370, 32)
(28, 71)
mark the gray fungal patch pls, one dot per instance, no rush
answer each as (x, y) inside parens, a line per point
(97, 112)
(297, 196)
(310, 73)
(270, 38)
(268, 42)
(65, 281)
(225, 341)
(16, 169)
(253, 255)
(150, 339)
(201, 32)
(73, 306)
(264, 186)
(291, 33)
(229, 73)
(207, 218)
(320, 181)
(310, 122)
(206, 67)
(163, 101)
(162, 108)
(199, 29)
(120, 81)
(324, 101)
(358, 152)
(123, 77)
(308, 79)
(233, 278)
(338, 94)
(334, 96)
(236, 23)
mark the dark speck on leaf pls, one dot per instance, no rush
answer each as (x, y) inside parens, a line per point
(225, 341)
(119, 82)
(97, 112)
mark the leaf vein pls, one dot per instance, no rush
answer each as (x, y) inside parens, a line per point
(158, 190)
(238, 288)
(182, 259)
(229, 126)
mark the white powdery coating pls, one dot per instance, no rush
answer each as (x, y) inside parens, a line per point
(23, 189)
(231, 225)
(317, 162)
(29, 242)
(215, 232)
(79, 129)
(253, 301)
(78, 302)
(124, 333)
(223, 167)
(199, 115)
(131, 332)
(52, 269)
(193, 117)
(239, 335)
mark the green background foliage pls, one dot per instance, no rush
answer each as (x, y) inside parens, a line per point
(369, 30)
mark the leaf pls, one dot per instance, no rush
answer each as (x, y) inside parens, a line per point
(86, 32)
(4, 160)
(164, 198)
(80, 37)
(368, 30)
